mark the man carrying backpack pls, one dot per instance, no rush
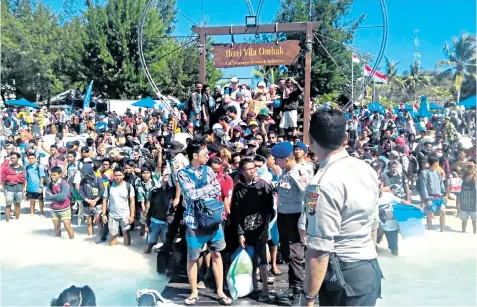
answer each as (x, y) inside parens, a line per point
(58, 192)
(144, 185)
(91, 190)
(202, 217)
(157, 203)
(73, 176)
(119, 199)
(35, 175)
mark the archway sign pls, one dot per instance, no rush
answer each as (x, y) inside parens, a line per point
(281, 53)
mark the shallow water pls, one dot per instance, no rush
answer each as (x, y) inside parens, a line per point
(33, 261)
(437, 270)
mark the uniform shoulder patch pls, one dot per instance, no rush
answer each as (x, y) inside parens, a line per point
(312, 195)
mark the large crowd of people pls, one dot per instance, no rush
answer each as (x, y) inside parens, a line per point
(127, 172)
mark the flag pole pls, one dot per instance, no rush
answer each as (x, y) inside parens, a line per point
(352, 79)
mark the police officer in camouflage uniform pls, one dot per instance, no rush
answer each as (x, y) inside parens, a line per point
(291, 190)
(340, 205)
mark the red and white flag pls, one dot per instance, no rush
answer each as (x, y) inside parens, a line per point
(377, 76)
(356, 59)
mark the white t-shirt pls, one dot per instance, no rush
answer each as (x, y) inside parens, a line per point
(237, 106)
(119, 202)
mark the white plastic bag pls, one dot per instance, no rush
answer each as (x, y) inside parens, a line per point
(239, 277)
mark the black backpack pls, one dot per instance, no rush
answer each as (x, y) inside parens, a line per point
(160, 204)
(413, 165)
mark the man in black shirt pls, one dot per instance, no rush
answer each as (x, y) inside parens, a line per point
(251, 211)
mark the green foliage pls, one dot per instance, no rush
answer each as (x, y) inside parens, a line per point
(460, 61)
(44, 53)
(325, 75)
(328, 98)
(269, 74)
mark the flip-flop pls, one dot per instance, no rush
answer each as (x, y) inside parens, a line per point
(190, 301)
(264, 298)
(201, 285)
(225, 301)
(275, 273)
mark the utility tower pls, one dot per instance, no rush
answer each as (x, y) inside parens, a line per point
(417, 55)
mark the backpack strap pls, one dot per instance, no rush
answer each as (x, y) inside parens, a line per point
(203, 180)
(191, 176)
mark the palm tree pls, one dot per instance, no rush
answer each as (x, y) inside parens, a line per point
(414, 79)
(394, 81)
(461, 60)
(269, 74)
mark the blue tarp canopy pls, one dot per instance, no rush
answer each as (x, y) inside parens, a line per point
(424, 108)
(22, 103)
(147, 102)
(469, 103)
(376, 107)
(434, 106)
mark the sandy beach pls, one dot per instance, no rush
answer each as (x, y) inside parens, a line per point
(439, 269)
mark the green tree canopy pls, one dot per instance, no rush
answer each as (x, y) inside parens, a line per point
(45, 53)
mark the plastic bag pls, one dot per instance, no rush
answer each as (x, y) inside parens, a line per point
(239, 277)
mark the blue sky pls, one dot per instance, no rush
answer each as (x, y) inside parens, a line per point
(438, 21)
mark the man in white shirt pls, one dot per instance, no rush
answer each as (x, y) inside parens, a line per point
(119, 199)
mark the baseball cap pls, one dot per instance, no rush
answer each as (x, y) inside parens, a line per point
(234, 80)
(260, 84)
(253, 122)
(375, 165)
(264, 112)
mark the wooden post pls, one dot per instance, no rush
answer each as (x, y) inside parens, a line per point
(202, 56)
(306, 102)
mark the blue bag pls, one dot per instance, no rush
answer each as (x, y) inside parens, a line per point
(277, 103)
(209, 212)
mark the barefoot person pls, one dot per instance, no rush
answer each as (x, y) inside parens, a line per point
(432, 191)
(13, 180)
(91, 191)
(119, 199)
(35, 174)
(468, 197)
(58, 192)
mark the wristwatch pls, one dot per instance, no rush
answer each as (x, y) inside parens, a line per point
(309, 297)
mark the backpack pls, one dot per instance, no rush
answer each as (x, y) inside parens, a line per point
(128, 187)
(90, 186)
(71, 177)
(160, 201)
(208, 212)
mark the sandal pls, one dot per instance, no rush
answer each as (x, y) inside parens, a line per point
(264, 298)
(191, 300)
(201, 285)
(225, 301)
(275, 273)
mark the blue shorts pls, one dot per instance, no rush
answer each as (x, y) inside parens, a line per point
(13, 197)
(436, 205)
(157, 230)
(196, 242)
